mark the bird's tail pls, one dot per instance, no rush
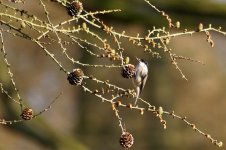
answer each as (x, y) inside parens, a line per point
(137, 94)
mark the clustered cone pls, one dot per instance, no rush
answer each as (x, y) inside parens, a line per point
(75, 8)
(27, 114)
(75, 77)
(126, 140)
(128, 71)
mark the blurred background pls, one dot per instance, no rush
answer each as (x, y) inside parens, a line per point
(82, 122)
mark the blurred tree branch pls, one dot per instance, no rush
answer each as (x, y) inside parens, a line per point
(136, 11)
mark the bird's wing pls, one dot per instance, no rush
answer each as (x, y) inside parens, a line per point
(143, 81)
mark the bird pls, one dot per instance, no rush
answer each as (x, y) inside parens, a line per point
(140, 77)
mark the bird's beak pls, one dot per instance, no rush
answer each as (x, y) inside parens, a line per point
(137, 59)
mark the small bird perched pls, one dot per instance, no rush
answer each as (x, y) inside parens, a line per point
(140, 77)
